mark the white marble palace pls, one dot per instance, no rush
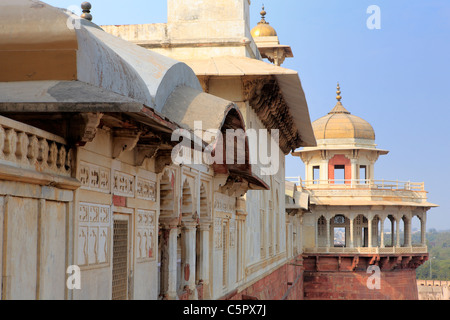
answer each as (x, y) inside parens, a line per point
(88, 182)
(86, 156)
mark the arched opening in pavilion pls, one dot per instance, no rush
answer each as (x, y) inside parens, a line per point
(339, 227)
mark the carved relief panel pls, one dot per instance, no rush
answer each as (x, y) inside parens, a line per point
(232, 233)
(123, 184)
(93, 234)
(218, 233)
(145, 235)
(93, 177)
(146, 189)
(224, 203)
(224, 209)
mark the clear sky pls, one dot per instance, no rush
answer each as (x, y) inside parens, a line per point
(397, 77)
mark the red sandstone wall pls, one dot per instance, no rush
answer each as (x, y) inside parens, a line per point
(395, 285)
(285, 283)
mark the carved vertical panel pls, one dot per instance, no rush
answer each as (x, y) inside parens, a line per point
(82, 245)
(93, 234)
(232, 233)
(218, 233)
(102, 253)
(146, 235)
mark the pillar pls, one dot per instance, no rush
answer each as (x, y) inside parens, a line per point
(369, 227)
(316, 225)
(308, 172)
(189, 234)
(328, 233)
(423, 229)
(169, 259)
(397, 232)
(324, 171)
(382, 232)
(354, 171)
(203, 267)
(392, 232)
(352, 243)
(407, 236)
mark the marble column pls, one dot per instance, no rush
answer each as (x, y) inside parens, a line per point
(369, 227)
(324, 171)
(392, 232)
(203, 267)
(169, 259)
(423, 229)
(397, 232)
(316, 226)
(189, 230)
(407, 235)
(328, 233)
(354, 171)
(352, 240)
(382, 232)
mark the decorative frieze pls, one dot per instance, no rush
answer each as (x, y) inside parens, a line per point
(94, 177)
(146, 189)
(93, 234)
(123, 184)
(224, 203)
(98, 178)
(145, 235)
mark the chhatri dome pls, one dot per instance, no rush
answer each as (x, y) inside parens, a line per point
(339, 123)
(263, 28)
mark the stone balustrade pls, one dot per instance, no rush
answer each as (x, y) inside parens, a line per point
(374, 250)
(393, 185)
(27, 147)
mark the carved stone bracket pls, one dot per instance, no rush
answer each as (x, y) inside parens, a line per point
(124, 140)
(84, 128)
(276, 55)
(145, 152)
(241, 207)
(163, 159)
(265, 97)
(252, 88)
(235, 188)
(355, 262)
(355, 155)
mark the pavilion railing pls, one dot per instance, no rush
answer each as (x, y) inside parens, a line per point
(364, 250)
(359, 184)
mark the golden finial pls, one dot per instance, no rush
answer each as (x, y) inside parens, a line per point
(263, 15)
(338, 93)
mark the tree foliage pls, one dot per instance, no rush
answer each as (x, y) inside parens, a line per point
(439, 260)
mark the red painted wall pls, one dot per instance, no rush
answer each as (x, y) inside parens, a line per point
(340, 160)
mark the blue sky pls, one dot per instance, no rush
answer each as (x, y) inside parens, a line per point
(397, 78)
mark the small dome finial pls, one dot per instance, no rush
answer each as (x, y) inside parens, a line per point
(86, 6)
(338, 93)
(263, 15)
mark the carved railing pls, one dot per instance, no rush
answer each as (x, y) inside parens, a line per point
(365, 250)
(359, 184)
(27, 147)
